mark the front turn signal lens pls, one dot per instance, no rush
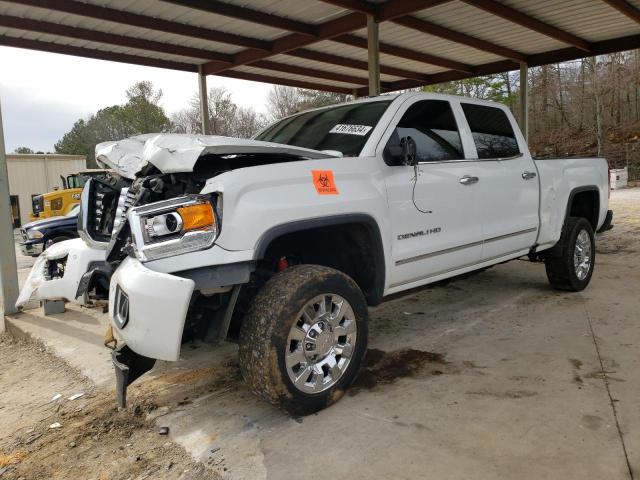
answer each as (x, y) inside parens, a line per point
(197, 217)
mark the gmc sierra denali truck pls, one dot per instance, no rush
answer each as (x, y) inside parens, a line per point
(282, 242)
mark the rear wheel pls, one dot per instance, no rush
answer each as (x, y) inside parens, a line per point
(303, 339)
(572, 270)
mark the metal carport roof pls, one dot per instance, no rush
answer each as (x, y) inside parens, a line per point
(323, 44)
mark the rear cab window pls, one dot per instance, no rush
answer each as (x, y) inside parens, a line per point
(344, 128)
(492, 131)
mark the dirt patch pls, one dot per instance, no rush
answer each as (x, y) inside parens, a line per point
(577, 364)
(46, 435)
(381, 368)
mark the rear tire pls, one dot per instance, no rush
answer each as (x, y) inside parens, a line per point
(573, 268)
(304, 337)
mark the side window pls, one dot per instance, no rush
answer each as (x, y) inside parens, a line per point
(492, 132)
(433, 127)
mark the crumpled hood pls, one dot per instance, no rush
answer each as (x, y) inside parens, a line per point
(173, 153)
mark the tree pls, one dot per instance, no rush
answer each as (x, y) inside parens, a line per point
(225, 116)
(141, 114)
(284, 101)
(499, 88)
(23, 150)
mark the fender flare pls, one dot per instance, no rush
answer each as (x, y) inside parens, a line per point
(556, 251)
(374, 297)
(577, 190)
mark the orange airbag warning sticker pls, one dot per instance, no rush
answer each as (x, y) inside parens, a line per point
(324, 182)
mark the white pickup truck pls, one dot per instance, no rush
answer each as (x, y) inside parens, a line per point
(281, 242)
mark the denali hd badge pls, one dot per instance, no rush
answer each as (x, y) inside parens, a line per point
(420, 233)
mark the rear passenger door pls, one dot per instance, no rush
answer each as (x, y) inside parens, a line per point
(508, 185)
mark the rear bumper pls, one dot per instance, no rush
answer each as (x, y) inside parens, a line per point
(148, 309)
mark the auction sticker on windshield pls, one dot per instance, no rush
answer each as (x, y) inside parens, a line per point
(324, 182)
(347, 129)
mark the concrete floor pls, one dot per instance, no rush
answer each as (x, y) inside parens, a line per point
(520, 381)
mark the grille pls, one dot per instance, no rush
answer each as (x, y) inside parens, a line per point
(23, 232)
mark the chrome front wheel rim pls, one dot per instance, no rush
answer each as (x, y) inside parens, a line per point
(582, 255)
(321, 343)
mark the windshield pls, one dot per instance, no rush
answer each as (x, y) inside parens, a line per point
(74, 211)
(345, 128)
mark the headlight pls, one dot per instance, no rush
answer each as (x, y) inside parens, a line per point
(34, 234)
(173, 227)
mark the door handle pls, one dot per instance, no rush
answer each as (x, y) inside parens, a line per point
(468, 180)
(528, 175)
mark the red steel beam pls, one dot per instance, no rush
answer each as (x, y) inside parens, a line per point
(309, 72)
(514, 16)
(355, 5)
(133, 19)
(626, 9)
(356, 64)
(94, 53)
(458, 37)
(256, 77)
(110, 38)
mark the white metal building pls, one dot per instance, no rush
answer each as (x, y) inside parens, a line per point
(33, 174)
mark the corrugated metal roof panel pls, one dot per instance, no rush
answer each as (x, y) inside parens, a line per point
(336, 48)
(304, 63)
(592, 20)
(199, 18)
(302, 78)
(111, 27)
(418, 41)
(478, 23)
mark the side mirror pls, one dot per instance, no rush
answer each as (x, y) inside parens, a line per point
(409, 149)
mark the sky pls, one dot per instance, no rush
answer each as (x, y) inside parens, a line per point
(43, 94)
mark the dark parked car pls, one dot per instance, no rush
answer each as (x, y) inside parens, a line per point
(40, 234)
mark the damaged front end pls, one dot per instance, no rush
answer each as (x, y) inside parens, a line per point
(148, 245)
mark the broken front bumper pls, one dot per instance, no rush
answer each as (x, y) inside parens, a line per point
(75, 256)
(148, 309)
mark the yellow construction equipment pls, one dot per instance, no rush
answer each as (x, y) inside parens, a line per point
(60, 202)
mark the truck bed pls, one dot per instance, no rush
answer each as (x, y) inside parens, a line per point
(558, 179)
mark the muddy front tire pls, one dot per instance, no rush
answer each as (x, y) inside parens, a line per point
(573, 268)
(304, 337)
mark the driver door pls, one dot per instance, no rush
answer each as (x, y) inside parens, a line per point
(435, 216)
